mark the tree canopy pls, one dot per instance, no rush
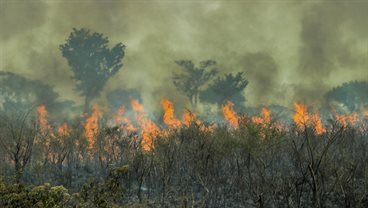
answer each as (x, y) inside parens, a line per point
(91, 60)
(193, 78)
(230, 87)
(352, 94)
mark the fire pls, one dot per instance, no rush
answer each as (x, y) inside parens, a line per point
(63, 130)
(149, 129)
(230, 114)
(301, 115)
(318, 125)
(120, 119)
(91, 126)
(302, 118)
(265, 117)
(188, 118)
(42, 119)
(347, 119)
(169, 116)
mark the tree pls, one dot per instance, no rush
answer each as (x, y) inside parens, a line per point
(91, 61)
(193, 78)
(16, 140)
(229, 87)
(352, 95)
(18, 93)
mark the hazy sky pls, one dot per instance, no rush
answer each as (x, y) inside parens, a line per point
(289, 50)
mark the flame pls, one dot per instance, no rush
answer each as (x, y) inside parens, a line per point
(316, 120)
(301, 115)
(91, 126)
(303, 119)
(188, 118)
(42, 119)
(347, 119)
(63, 130)
(169, 116)
(230, 114)
(149, 129)
(265, 117)
(120, 119)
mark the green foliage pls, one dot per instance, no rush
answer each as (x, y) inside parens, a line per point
(91, 61)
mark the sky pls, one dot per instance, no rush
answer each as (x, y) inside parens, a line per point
(289, 50)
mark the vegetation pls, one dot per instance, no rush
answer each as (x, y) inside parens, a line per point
(200, 165)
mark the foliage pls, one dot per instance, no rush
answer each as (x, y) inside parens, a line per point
(352, 95)
(230, 87)
(91, 61)
(193, 78)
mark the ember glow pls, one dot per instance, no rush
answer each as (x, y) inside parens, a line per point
(230, 115)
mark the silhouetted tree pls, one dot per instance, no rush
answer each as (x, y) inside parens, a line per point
(91, 61)
(229, 87)
(352, 94)
(18, 93)
(193, 78)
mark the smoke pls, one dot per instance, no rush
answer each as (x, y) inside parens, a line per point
(288, 49)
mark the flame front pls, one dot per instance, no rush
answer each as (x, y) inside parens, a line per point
(149, 129)
(264, 119)
(188, 118)
(303, 119)
(230, 114)
(91, 126)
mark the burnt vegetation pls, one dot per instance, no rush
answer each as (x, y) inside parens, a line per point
(53, 156)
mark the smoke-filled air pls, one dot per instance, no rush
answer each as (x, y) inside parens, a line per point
(208, 103)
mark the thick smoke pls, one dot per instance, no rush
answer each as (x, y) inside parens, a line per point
(288, 49)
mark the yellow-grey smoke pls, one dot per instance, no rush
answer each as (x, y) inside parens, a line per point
(288, 49)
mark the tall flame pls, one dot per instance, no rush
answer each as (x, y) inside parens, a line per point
(42, 119)
(302, 118)
(169, 116)
(149, 129)
(118, 117)
(230, 114)
(91, 126)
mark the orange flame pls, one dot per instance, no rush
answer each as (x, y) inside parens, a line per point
(149, 129)
(120, 119)
(303, 119)
(188, 118)
(265, 117)
(63, 130)
(347, 119)
(169, 117)
(42, 119)
(91, 126)
(301, 116)
(230, 114)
